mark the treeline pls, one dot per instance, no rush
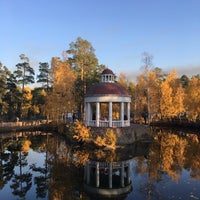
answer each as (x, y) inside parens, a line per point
(157, 96)
(63, 84)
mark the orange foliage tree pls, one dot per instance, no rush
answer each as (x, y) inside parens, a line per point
(61, 98)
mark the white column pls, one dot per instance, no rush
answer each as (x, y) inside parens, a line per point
(97, 174)
(110, 114)
(128, 112)
(85, 111)
(110, 175)
(88, 113)
(88, 173)
(122, 113)
(128, 173)
(97, 114)
(122, 174)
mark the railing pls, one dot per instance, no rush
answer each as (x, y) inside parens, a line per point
(105, 123)
(116, 123)
(115, 165)
(23, 123)
(92, 123)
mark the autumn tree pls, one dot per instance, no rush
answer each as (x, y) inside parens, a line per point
(141, 109)
(27, 102)
(38, 102)
(154, 94)
(147, 97)
(192, 99)
(172, 96)
(84, 64)
(61, 98)
(166, 103)
(123, 80)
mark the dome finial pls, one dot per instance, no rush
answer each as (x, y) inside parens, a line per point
(107, 76)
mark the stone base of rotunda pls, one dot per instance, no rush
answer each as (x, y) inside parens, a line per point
(126, 135)
(107, 192)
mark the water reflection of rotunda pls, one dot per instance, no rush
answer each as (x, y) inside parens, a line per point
(107, 179)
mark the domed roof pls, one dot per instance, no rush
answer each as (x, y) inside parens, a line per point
(107, 71)
(107, 86)
(106, 89)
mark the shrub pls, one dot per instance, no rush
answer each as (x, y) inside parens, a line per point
(81, 132)
(110, 138)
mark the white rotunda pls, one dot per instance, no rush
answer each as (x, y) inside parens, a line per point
(107, 104)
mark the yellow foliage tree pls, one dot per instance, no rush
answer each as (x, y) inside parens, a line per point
(192, 99)
(60, 99)
(166, 103)
(123, 80)
(27, 100)
(172, 96)
(154, 94)
(178, 101)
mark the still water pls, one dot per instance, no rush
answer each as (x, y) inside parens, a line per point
(36, 165)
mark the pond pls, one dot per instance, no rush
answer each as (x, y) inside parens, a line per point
(38, 165)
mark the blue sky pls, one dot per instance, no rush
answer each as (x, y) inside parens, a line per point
(119, 30)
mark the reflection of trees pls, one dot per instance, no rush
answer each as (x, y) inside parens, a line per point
(21, 182)
(192, 155)
(66, 173)
(169, 154)
(108, 156)
(62, 172)
(7, 163)
(41, 179)
(149, 190)
(14, 164)
(144, 166)
(173, 153)
(65, 181)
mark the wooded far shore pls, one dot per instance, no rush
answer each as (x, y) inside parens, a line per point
(44, 125)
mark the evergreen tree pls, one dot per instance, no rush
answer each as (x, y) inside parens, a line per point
(13, 98)
(24, 75)
(3, 88)
(44, 75)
